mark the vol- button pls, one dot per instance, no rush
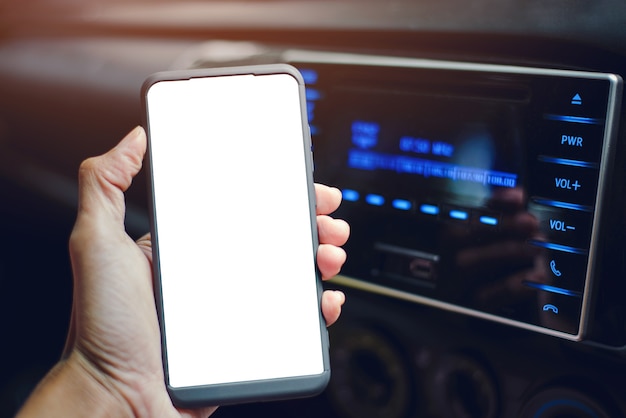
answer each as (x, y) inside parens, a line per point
(568, 227)
(559, 225)
(572, 230)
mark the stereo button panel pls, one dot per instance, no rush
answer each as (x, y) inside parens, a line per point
(469, 187)
(564, 192)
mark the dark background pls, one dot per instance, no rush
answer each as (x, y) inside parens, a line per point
(70, 75)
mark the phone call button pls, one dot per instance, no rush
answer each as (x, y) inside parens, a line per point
(554, 269)
(564, 270)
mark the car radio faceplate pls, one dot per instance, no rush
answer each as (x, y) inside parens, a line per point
(470, 187)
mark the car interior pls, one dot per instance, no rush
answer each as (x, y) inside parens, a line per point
(479, 147)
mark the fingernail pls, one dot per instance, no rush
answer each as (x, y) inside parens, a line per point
(135, 132)
(130, 137)
(341, 296)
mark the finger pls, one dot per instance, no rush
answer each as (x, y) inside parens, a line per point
(104, 179)
(70, 340)
(197, 413)
(332, 231)
(98, 236)
(522, 224)
(329, 260)
(507, 200)
(145, 244)
(328, 199)
(332, 301)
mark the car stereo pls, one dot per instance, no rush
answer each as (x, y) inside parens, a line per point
(474, 188)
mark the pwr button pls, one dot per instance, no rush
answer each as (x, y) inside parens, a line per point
(572, 141)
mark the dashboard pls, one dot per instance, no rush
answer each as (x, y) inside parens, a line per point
(479, 149)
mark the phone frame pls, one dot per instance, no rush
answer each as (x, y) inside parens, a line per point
(242, 391)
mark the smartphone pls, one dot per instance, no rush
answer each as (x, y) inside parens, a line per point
(234, 235)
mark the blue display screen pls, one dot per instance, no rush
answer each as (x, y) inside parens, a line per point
(363, 156)
(367, 160)
(414, 152)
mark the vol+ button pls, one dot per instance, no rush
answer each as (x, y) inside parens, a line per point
(565, 183)
(561, 181)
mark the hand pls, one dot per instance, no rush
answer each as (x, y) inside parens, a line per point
(495, 266)
(112, 363)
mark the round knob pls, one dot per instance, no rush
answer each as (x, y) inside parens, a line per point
(370, 376)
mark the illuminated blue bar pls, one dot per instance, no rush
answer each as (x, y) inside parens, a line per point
(375, 199)
(313, 94)
(553, 289)
(429, 209)
(563, 205)
(363, 159)
(314, 129)
(488, 220)
(309, 75)
(557, 247)
(458, 214)
(569, 404)
(574, 119)
(350, 195)
(565, 161)
(401, 204)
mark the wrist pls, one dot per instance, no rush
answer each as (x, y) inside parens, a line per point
(72, 389)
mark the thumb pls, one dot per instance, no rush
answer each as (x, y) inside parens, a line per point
(104, 179)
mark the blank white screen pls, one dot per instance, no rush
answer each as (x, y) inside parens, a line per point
(232, 211)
